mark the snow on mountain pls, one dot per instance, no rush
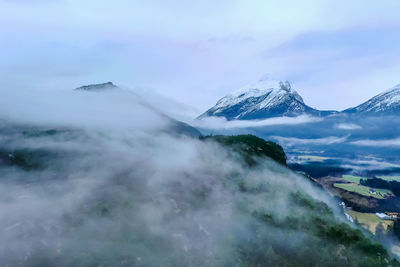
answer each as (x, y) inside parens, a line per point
(263, 99)
(387, 102)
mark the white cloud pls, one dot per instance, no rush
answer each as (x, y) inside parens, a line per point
(222, 123)
(347, 126)
(378, 143)
(114, 109)
(330, 140)
(363, 165)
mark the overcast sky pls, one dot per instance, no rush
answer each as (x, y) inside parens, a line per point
(336, 53)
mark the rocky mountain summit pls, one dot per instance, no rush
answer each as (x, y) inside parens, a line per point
(263, 99)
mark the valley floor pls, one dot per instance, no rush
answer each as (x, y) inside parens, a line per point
(374, 209)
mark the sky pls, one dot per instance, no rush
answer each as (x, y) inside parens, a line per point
(336, 54)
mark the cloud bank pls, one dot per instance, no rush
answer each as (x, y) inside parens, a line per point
(291, 141)
(222, 123)
(378, 143)
(115, 109)
(347, 126)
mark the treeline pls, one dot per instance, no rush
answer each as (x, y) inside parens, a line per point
(250, 146)
(394, 186)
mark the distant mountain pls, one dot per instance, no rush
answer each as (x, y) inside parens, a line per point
(175, 126)
(387, 102)
(264, 99)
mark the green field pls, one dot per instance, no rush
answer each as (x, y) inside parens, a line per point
(389, 178)
(352, 178)
(364, 190)
(370, 221)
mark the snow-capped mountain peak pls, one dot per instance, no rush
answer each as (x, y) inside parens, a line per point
(275, 90)
(263, 99)
(263, 87)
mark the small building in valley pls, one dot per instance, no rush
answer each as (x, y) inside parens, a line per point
(372, 191)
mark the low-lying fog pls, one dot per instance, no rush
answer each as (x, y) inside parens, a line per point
(108, 186)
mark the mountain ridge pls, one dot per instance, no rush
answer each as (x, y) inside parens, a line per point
(387, 102)
(272, 98)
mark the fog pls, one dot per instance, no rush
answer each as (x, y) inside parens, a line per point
(117, 108)
(395, 142)
(330, 140)
(347, 126)
(108, 187)
(221, 123)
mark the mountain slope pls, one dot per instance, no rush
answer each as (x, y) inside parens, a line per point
(264, 99)
(387, 102)
(83, 207)
(174, 126)
(250, 146)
